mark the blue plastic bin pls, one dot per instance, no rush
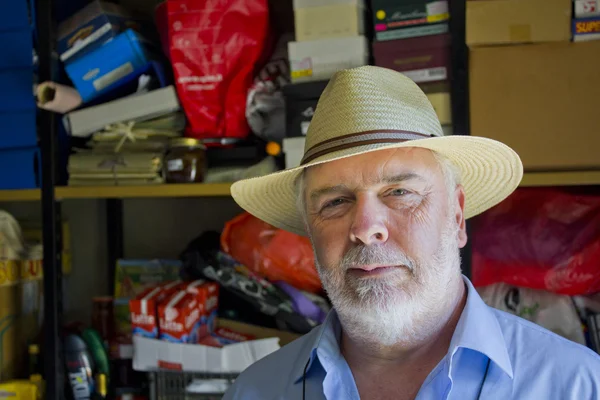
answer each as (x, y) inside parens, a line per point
(24, 167)
(97, 72)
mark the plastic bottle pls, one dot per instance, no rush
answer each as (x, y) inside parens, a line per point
(80, 367)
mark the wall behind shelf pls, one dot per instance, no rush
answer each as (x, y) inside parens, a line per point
(153, 228)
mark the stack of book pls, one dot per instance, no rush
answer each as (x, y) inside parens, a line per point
(129, 138)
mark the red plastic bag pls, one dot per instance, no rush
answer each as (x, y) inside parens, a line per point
(215, 47)
(273, 253)
(542, 239)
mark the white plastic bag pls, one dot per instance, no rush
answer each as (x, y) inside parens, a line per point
(554, 312)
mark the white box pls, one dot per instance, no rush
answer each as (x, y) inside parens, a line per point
(320, 59)
(587, 8)
(293, 148)
(153, 354)
(313, 19)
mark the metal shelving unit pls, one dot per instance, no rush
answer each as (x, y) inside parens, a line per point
(50, 195)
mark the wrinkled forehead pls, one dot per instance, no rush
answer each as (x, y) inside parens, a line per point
(376, 167)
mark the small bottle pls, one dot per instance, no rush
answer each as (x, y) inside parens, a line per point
(34, 359)
(101, 387)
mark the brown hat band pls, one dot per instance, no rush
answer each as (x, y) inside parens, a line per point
(359, 139)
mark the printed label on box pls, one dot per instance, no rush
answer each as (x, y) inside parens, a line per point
(111, 77)
(438, 17)
(427, 75)
(438, 8)
(302, 68)
(587, 8)
(405, 33)
(587, 27)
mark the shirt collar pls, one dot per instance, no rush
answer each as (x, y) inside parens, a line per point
(477, 329)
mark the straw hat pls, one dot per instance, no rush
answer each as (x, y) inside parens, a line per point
(371, 108)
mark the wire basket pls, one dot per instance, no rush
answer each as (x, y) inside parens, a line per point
(171, 385)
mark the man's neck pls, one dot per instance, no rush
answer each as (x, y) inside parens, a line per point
(410, 362)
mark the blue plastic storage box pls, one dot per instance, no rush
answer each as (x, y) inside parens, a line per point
(96, 72)
(20, 168)
(17, 129)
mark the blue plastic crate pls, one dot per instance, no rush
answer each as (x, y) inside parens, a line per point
(17, 90)
(16, 49)
(18, 129)
(97, 72)
(14, 15)
(24, 167)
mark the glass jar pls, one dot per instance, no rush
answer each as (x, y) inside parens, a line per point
(185, 161)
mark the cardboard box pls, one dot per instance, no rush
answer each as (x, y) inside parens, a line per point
(423, 59)
(518, 21)
(320, 59)
(585, 29)
(586, 8)
(150, 354)
(414, 18)
(312, 19)
(539, 99)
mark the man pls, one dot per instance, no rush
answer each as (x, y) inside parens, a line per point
(383, 197)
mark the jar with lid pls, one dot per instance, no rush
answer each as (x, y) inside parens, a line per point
(185, 161)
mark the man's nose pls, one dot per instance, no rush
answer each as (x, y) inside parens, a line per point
(368, 226)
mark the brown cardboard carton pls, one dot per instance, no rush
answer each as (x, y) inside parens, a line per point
(541, 100)
(518, 21)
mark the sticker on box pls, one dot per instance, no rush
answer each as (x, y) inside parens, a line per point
(302, 68)
(427, 75)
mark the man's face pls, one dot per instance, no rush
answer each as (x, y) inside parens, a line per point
(385, 230)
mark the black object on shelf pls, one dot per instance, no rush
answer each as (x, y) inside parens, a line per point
(300, 104)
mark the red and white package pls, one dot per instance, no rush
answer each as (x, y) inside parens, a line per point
(215, 48)
(224, 336)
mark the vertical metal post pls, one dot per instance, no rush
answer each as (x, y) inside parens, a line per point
(114, 231)
(51, 213)
(459, 92)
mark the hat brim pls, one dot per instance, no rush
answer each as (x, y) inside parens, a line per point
(490, 171)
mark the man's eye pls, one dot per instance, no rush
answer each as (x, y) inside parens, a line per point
(399, 192)
(334, 203)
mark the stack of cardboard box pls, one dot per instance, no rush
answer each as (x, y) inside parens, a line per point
(412, 37)
(530, 86)
(329, 37)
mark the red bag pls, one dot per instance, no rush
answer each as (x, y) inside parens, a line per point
(214, 47)
(542, 239)
(273, 253)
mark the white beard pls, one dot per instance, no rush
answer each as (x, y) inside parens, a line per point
(408, 305)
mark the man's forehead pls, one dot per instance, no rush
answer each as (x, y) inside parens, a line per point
(376, 167)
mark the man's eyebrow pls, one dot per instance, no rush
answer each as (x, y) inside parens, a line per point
(407, 176)
(388, 180)
(315, 194)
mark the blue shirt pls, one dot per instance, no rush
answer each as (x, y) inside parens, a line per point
(523, 361)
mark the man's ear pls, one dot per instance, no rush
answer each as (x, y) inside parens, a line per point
(459, 211)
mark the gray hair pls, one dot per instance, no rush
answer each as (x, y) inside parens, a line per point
(450, 172)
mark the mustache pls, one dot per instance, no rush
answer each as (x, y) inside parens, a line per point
(370, 255)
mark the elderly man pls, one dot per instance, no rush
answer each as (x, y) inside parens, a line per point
(383, 197)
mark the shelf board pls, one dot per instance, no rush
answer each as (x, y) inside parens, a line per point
(567, 178)
(123, 192)
(530, 179)
(20, 195)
